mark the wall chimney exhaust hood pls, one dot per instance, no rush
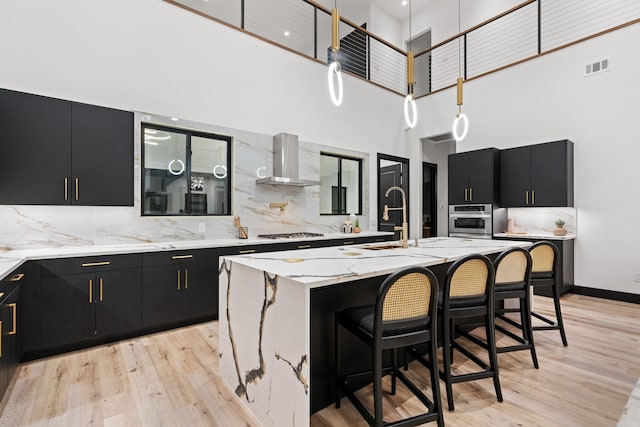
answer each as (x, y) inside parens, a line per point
(285, 163)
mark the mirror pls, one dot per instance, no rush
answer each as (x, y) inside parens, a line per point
(392, 171)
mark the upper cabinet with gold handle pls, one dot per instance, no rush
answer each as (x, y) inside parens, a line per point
(539, 175)
(473, 177)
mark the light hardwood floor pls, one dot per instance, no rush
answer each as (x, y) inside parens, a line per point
(170, 379)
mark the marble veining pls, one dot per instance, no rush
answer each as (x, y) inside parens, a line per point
(282, 395)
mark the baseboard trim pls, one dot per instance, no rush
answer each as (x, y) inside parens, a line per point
(606, 294)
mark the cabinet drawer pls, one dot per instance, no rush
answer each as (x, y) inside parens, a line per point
(54, 267)
(11, 283)
(186, 256)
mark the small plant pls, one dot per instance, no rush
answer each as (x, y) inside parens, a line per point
(559, 223)
(357, 224)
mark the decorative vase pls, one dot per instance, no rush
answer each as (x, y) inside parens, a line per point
(560, 231)
(356, 229)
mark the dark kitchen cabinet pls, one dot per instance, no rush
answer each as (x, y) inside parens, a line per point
(474, 177)
(61, 152)
(179, 287)
(10, 330)
(538, 175)
(90, 297)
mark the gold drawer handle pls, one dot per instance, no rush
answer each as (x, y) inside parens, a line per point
(14, 309)
(347, 243)
(95, 264)
(178, 279)
(17, 277)
(101, 289)
(247, 251)
(181, 256)
(90, 291)
(304, 246)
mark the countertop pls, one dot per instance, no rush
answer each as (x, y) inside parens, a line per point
(540, 235)
(327, 266)
(12, 259)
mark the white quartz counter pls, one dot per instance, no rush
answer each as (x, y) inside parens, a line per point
(326, 266)
(12, 259)
(545, 236)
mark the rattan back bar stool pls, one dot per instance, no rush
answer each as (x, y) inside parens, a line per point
(468, 294)
(545, 273)
(404, 314)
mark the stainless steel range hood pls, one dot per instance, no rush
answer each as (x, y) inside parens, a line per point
(285, 163)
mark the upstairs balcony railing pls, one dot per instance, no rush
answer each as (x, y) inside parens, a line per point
(531, 29)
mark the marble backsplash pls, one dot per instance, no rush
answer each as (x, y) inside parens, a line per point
(36, 226)
(542, 220)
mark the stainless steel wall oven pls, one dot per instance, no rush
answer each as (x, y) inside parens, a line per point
(474, 221)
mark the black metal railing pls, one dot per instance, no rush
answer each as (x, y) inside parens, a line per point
(530, 29)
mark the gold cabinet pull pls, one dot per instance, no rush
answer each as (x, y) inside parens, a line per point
(304, 246)
(471, 194)
(14, 309)
(0, 339)
(95, 264)
(526, 198)
(347, 243)
(77, 189)
(178, 279)
(1, 294)
(247, 251)
(101, 289)
(465, 194)
(66, 188)
(186, 278)
(90, 291)
(533, 197)
(181, 256)
(17, 277)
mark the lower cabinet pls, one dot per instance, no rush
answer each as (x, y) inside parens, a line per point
(10, 331)
(179, 286)
(86, 298)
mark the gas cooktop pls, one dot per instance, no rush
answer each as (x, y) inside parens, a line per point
(290, 235)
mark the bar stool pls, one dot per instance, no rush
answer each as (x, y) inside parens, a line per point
(513, 280)
(468, 294)
(404, 315)
(544, 273)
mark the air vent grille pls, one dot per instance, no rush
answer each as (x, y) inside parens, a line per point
(596, 67)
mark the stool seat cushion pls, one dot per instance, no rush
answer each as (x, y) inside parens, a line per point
(362, 318)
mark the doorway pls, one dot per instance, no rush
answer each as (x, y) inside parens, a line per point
(392, 171)
(429, 199)
(422, 64)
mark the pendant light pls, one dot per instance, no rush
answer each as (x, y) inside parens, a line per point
(335, 67)
(409, 100)
(460, 116)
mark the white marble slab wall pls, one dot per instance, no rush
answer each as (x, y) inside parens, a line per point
(264, 343)
(29, 226)
(542, 220)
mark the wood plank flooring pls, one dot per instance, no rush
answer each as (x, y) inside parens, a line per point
(170, 379)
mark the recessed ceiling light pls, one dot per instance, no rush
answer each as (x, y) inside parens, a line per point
(404, 2)
(175, 119)
(287, 33)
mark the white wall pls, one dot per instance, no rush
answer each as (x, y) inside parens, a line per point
(150, 56)
(549, 99)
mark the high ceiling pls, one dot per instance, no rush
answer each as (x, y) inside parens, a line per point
(392, 7)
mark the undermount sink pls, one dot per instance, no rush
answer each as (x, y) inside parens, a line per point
(381, 247)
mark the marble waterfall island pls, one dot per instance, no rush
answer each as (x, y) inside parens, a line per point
(276, 311)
